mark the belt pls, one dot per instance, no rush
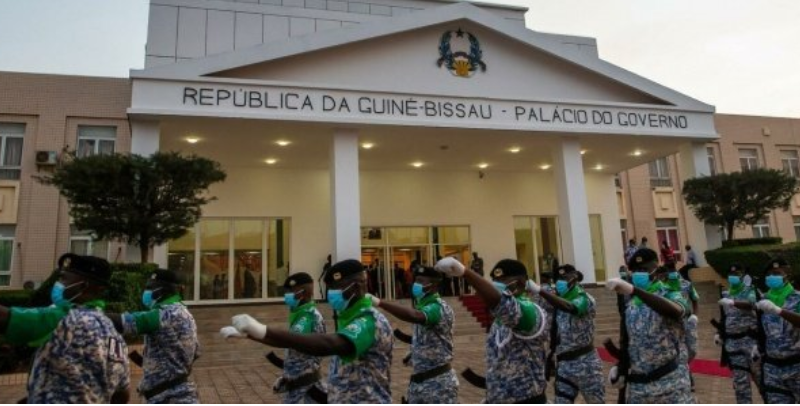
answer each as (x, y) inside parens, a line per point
(655, 375)
(574, 354)
(301, 381)
(783, 362)
(736, 336)
(163, 386)
(431, 373)
(539, 399)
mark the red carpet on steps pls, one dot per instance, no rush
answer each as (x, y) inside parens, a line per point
(698, 366)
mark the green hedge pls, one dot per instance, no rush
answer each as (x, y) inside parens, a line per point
(127, 284)
(756, 258)
(752, 241)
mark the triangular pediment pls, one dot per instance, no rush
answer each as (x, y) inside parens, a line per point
(402, 55)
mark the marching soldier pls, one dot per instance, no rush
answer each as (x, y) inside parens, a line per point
(781, 329)
(655, 322)
(300, 371)
(675, 281)
(579, 368)
(170, 340)
(514, 338)
(434, 380)
(361, 347)
(82, 358)
(739, 332)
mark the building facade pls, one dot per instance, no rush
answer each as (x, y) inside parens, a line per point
(390, 131)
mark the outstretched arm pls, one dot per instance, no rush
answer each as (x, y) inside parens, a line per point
(559, 303)
(661, 305)
(405, 313)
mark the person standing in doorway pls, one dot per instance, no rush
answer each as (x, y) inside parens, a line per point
(691, 263)
(643, 244)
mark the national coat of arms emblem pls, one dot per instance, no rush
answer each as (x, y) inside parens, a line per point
(460, 63)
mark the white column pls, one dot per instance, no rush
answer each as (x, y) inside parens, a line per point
(573, 210)
(345, 196)
(145, 140)
(693, 164)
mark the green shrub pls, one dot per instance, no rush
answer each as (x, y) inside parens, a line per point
(756, 258)
(127, 284)
(15, 298)
(752, 241)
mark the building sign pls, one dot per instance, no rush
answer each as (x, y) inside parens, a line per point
(288, 103)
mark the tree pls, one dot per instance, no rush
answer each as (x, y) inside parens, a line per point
(739, 198)
(143, 201)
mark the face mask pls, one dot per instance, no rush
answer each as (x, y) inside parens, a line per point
(418, 290)
(500, 286)
(673, 276)
(774, 281)
(291, 299)
(337, 300)
(562, 287)
(734, 280)
(641, 279)
(57, 294)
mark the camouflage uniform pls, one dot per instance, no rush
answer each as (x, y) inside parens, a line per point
(170, 348)
(84, 359)
(364, 376)
(513, 341)
(655, 342)
(575, 332)
(305, 319)
(686, 288)
(741, 323)
(433, 347)
(782, 383)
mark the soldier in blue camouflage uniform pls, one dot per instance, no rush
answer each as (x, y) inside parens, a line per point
(741, 331)
(300, 371)
(361, 347)
(579, 368)
(170, 340)
(781, 324)
(655, 319)
(82, 358)
(434, 380)
(514, 338)
(673, 280)
(549, 339)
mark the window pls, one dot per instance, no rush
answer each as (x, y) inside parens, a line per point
(94, 140)
(11, 136)
(789, 160)
(667, 230)
(748, 158)
(712, 160)
(6, 253)
(797, 228)
(659, 173)
(761, 229)
(83, 243)
(618, 181)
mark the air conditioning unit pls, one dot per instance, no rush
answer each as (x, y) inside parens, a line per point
(46, 158)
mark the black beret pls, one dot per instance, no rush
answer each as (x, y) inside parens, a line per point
(165, 276)
(662, 269)
(91, 267)
(775, 263)
(508, 267)
(737, 267)
(300, 278)
(567, 269)
(642, 256)
(343, 270)
(428, 271)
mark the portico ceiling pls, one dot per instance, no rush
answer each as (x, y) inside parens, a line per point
(248, 143)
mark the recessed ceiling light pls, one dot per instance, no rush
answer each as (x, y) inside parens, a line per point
(367, 145)
(598, 167)
(417, 164)
(483, 165)
(192, 140)
(283, 143)
(544, 167)
(514, 150)
(271, 161)
(584, 151)
(638, 152)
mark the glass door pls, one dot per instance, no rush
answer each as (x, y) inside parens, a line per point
(405, 259)
(378, 282)
(538, 243)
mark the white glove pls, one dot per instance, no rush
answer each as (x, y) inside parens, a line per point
(250, 326)
(450, 267)
(620, 286)
(725, 302)
(615, 379)
(375, 301)
(768, 307)
(230, 331)
(279, 386)
(755, 355)
(717, 340)
(692, 319)
(532, 287)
